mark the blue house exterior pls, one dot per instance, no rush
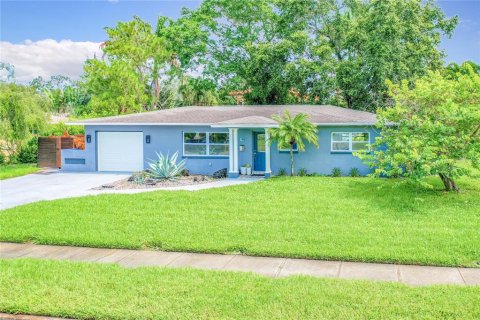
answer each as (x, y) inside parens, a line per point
(214, 138)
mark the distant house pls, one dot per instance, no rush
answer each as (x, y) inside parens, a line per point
(213, 138)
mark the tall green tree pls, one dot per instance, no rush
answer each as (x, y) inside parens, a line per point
(65, 95)
(129, 76)
(115, 88)
(431, 128)
(198, 92)
(293, 131)
(374, 41)
(251, 47)
(329, 51)
(23, 113)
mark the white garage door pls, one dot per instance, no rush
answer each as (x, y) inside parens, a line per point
(120, 151)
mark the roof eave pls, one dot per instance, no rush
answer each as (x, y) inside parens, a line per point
(79, 123)
(213, 125)
(245, 125)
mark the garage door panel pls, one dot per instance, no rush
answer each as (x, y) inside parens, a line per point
(120, 151)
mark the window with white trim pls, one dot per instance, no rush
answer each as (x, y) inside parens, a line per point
(350, 141)
(205, 144)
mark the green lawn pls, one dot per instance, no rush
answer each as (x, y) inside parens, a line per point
(16, 170)
(359, 219)
(102, 291)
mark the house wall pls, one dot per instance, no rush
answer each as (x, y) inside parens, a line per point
(169, 139)
(163, 139)
(323, 160)
(75, 160)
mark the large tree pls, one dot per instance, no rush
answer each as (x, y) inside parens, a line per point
(430, 130)
(325, 51)
(23, 113)
(377, 40)
(252, 47)
(128, 78)
(115, 88)
(65, 95)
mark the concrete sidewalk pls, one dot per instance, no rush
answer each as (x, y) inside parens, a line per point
(272, 267)
(7, 316)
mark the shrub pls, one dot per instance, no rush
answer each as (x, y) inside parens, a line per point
(58, 129)
(302, 172)
(28, 153)
(313, 174)
(336, 172)
(354, 172)
(166, 168)
(282, 172)
(138, 177)
(2, 158)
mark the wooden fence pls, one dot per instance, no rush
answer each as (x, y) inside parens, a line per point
(50, 149)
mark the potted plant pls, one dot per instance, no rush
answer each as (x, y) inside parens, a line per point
(248, 169)
(243, 169)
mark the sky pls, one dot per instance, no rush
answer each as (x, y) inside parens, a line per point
(44, 38)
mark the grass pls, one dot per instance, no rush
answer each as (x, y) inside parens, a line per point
(106, 291)
(356, 219)
(16, 170)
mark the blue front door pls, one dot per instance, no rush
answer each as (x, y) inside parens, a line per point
(258, 151)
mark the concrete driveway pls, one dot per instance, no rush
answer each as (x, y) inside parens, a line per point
(51, 185)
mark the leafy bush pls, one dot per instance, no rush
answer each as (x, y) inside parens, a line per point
(354, 172)
(302, 172)
(58, 129)
(166, 168)
(336, 172)
(28, 153)
(2, 158)
(313, 174)
(282, 172)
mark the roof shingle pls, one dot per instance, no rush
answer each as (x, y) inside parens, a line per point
(319, 114)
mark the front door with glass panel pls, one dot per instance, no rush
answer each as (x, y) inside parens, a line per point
(258, 151)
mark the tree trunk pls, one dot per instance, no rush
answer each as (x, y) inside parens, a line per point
(291, 161)
(448, 183)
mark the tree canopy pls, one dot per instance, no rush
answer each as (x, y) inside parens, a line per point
(64, 94)
(431, 128)
(23, 113)
(339, 52)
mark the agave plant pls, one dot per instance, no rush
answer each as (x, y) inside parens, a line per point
(165, 167)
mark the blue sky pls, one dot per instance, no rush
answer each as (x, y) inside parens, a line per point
(80, 25)
(78, 20)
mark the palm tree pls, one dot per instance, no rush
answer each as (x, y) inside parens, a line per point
(293, 131)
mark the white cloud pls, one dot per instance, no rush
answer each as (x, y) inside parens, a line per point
(47, 57)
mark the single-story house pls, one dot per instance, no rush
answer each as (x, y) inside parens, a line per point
(213, 138)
